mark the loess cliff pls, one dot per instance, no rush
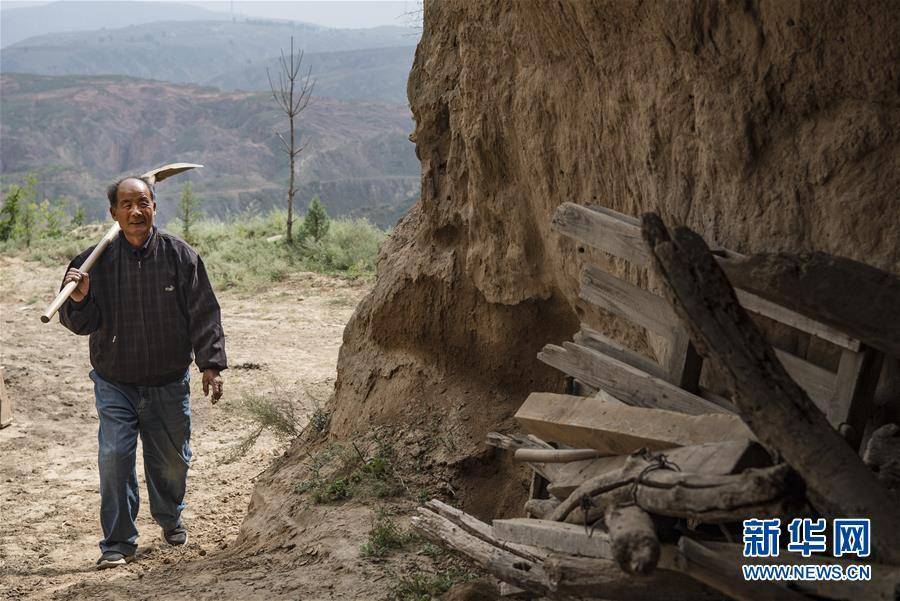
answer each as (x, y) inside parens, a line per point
(764, 126)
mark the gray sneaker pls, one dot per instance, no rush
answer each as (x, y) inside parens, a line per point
(176, 536)
(113, 559)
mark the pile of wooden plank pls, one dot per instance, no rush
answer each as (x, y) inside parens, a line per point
(643, 478)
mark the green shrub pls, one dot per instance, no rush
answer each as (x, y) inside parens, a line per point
(384, 536)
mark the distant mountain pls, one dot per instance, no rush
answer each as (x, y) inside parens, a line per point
(371, 75)
(190, 52)
(18, 24)
(79, 133)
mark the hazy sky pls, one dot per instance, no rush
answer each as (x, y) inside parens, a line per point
(331, 13)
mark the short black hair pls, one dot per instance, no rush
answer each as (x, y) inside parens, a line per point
(112, 191)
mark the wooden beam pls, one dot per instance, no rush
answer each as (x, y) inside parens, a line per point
(477, 528)
(637, 305)
(726, 457)
(682, 362)
(816, 381)
(603, 229)
(757, 304)
(507, 566)
(722, 574)
(616, 429)
(554, 536)
(623, 381)
(773, 405)
(593, 339)
(852, 402)
(857, 299)
(632, 536)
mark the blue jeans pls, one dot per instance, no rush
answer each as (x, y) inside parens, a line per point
(162, 417)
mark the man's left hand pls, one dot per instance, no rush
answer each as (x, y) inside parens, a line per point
(211, 378)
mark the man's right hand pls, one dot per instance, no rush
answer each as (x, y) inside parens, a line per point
(84, 283)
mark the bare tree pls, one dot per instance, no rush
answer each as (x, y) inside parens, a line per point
(292, 95)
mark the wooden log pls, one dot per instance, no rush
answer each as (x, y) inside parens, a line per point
(554, 536)
(513, 442)
(558, 576)
(500, 562)
(882, 455)
(720, 573)
(883, 586)
(538, 508)
(855, 298)
(704, 498)
(726, 457)
(773, 405)
(616, 429)
(632, 536)
(477, 528)
(623, 381)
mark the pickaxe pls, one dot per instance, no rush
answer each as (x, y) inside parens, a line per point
(152, 177)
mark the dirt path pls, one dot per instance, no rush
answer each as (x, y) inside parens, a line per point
(284, 340)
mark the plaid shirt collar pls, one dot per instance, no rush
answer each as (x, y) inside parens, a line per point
(135, 252)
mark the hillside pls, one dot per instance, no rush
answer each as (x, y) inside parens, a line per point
(370, 75)
(78, 133)
(188, 52)
(24, 22)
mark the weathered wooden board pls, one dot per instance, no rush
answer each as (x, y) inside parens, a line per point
(603, 229)
(757, 304)
(858, 299)
(5, 404)
(593, 339)
(620, 235)
(554, 536)
(852, 402)
(816, 381)
(617, 429)
(631, 302)
(728, 457)
(626, 383)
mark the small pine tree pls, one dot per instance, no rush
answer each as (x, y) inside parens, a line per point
(10, 213)
(78, 218)
(188, 211)
(316, 222)
(25, 226)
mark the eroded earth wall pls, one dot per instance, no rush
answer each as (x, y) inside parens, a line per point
(763, 125)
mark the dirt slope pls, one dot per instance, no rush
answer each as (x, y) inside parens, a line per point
(284, 340)
(763, 125)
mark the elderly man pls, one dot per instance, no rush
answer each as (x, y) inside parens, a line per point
(146, 305)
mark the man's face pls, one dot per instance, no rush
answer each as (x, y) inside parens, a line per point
(134, 208)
